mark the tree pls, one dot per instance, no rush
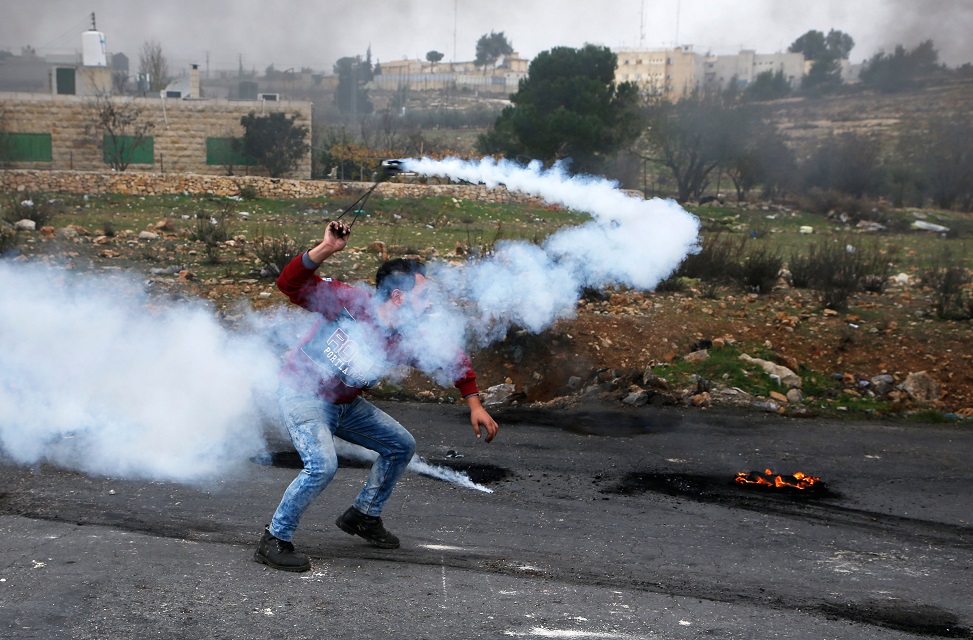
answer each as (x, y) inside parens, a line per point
(756, 154)
(353, 73)
(897, 70)
(691, 138)
(826, 54)
(849, 163)
(839, 44)
(490, 48)
(942, 154)
(123, 128)
(815, 45)
(568, 106)
(768, 85)
(434, 57)
(274, 141)
(823, 76)
(153, 66)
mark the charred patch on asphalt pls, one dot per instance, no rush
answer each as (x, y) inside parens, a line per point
(478, 472)
(901, 615)
(292, 460)
(815, 506)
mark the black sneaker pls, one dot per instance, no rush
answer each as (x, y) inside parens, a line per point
(356, 523)
(279, 554)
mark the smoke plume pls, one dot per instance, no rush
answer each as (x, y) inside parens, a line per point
(629, 241)
(98, 377)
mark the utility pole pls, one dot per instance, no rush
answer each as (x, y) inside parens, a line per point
(642, 27)
(678, 7)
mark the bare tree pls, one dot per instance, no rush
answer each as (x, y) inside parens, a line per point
(118, 81)
(154, 66)
(120, 122)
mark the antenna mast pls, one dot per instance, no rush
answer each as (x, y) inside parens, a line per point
(642, 27)
(93, 27)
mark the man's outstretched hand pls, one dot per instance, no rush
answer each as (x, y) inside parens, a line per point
(482, 421)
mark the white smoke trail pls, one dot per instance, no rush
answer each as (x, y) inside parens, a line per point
(96, 378)
(416, 465)
(629, 241)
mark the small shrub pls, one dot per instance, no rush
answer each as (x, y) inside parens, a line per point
(19, 206)
(248, 192)
(212, 228)
(759, 269)
(672, 284)
(873, 265)
(717, 260)
(275, 251)
(8, 239)
(949, 281)
(830, 268)
(801, 267)
(838, 268)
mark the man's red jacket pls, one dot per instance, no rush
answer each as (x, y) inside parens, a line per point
(348, 349)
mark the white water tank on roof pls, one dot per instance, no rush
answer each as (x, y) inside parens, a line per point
(93, 49)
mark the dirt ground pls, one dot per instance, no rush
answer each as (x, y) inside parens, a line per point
(603, 353)
(611, 342)
(880, 334)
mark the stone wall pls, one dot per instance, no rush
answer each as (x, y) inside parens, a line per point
(180, 129)
(141, 183)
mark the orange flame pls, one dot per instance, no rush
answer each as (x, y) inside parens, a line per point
(799, 480)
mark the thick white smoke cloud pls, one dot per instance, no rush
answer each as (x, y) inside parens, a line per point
(95, 377)
(629, 241)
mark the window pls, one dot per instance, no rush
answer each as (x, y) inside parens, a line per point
(64, 81)
(225, 151)
(128, 152)
(25, 147)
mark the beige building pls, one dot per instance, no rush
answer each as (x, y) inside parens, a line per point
(673, 73)
(744, 67)
(63, 129)
(676, 73)
(424, 75)
(187, 135)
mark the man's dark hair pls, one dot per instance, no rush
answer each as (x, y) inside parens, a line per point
(399, 273)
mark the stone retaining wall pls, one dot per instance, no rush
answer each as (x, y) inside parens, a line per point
(137, 183)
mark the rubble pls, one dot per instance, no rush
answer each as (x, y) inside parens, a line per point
(921, 387)
(783, 374)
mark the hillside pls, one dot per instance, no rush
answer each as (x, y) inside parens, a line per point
(868, 112)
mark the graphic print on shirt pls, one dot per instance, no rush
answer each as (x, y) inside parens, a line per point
(348, 350)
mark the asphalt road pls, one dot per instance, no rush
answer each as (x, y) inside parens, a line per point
(600, 525)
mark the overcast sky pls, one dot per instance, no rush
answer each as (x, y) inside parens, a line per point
(309, 33)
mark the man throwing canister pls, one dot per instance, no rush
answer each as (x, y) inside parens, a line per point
(358, 338)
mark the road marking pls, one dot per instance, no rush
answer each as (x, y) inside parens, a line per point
(542, 632)
(441, 547)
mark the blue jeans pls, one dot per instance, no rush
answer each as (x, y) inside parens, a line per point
(313, 423)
